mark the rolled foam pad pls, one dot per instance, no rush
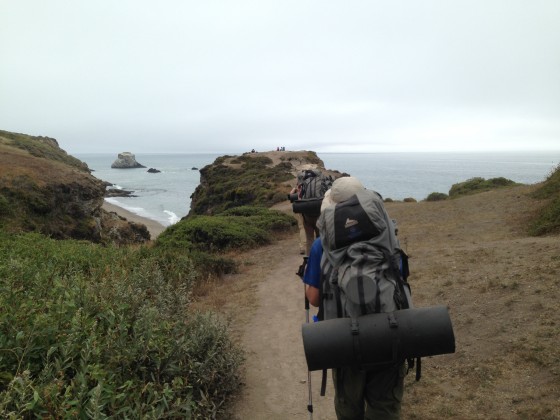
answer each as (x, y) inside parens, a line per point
(378, 338)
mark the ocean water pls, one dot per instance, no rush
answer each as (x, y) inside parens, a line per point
(416, 175)
(165, 197)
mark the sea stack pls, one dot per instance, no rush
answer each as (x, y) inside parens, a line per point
(126, 160)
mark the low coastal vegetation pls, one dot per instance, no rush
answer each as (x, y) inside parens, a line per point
(208, 239)
(42, 149)
(477, 185)
(548, 219)
(472, 186)
(89, 331)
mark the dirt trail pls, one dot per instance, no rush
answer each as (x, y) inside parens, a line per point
(470, 254)
(276, 384)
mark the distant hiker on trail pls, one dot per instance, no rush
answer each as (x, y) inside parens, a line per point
(311, 186)
(372, 393)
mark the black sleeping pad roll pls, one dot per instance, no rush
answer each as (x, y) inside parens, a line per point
(380, 338)
(307, 206)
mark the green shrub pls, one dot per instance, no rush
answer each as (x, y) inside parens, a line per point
(205, 237)
(410, 200)
(551, 185)
(93, 332)
(437, 196)
(270, 220)
(548, 220)
(475, 185)
(215, 233)
(5, 207)
(238, 228)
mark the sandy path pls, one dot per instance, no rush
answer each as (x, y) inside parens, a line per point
(276, 385)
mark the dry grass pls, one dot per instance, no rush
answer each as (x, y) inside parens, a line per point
(500, 285)
(473, 255)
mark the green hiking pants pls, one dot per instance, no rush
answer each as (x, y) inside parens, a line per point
(368, 394)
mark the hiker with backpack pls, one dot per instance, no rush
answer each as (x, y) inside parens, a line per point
(312, 186)
(352, 248)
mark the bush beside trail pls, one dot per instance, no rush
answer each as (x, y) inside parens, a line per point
(435, 196)
(477, 184)
(88, 331)
(94, 331)
(208, 239)
(548, 219)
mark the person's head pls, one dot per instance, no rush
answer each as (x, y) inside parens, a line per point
(341, 190)
(345, 187)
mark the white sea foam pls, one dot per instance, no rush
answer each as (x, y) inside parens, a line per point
(173, 218)
(140, 211)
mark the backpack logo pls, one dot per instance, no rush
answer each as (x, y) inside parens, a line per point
(349, 223)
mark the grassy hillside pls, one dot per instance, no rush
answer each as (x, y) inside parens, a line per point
(41, 147)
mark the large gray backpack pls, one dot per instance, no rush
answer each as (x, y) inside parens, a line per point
(363, 268)
(314, 185)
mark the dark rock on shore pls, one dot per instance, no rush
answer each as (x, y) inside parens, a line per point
(117, 192)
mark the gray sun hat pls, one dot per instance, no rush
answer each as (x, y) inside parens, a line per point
(345, 187)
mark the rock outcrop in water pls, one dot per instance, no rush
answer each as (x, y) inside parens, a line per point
(126, 160)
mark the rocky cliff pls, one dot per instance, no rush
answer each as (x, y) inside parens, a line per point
(256, 178)
(44, 189)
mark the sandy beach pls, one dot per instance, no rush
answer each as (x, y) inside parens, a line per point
(154, 227)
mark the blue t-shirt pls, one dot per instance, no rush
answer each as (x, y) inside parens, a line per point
(312, 275)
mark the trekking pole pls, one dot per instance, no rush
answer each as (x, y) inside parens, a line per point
(300, 273)
(310, 402)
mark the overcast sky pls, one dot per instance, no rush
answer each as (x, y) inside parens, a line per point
(323, 75)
